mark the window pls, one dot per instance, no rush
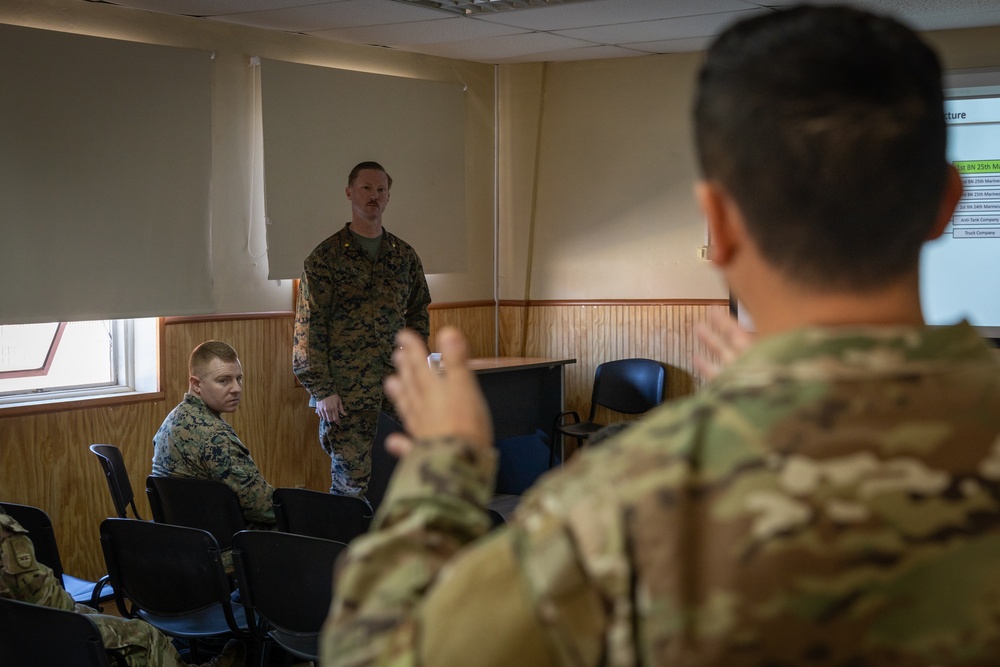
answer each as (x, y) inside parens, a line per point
(72, 361)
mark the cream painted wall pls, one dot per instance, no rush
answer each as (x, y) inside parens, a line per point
(520, 101)
(240, 267)
(609, 213)
(595, 159)
(597, 202)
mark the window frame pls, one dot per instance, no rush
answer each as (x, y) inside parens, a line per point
(123, 393)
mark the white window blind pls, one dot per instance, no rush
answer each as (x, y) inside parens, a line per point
(318, 122)
(105, 166)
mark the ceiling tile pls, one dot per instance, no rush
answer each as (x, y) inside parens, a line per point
(606, 12)
(592, 27)
(329, 15)
(209, 7)
(439, 31)
(495, 49)
(644, 31)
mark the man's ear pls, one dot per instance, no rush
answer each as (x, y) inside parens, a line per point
(347, 191)
(953, 189)
(195, 382)
(723, 219)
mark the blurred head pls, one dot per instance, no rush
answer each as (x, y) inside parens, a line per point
(216, 376)
(826, 127)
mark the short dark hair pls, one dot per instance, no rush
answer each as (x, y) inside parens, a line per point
(826, 125)
(204, 353)
(367, 165)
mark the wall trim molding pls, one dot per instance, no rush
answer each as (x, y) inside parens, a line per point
(484, 303)
(614, 302)
(454, 305)
(229, 317)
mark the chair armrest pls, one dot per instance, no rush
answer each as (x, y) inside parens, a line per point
(95, 597)
(559, 419)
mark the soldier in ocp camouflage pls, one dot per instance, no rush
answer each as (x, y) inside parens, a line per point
(355, 294)
(831, 499)
(25, 579)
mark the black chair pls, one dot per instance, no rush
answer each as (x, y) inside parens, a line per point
(31, 634)
(43, 537)
(628, 386)
(196, 503)
(172, 577)
(319, 514)
(496, 518)
(383, 463)
(116, 474)
(286, 582)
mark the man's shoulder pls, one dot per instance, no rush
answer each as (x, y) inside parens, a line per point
(330, 244)
(190, 416)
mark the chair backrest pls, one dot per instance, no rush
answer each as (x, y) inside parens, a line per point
(31, 634)
(116, 474)
(196, 503)
(320, 514)
(285, 578)
(43, 536)
(629, 386)
(164, 570)
(383, 463)
(496, 518)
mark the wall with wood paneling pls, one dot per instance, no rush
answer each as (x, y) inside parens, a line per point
(45, 460)
(477, 321)
(595, 332)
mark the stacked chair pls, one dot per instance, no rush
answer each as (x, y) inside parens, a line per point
(43, 536)
(31, 634)
(196, 503)
(320, 514)
(173, 578)
(116, 475)
(628, 386)
(289, 610)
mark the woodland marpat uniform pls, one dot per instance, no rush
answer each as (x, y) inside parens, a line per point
(194, 441)
(831, 499)
(348, 312)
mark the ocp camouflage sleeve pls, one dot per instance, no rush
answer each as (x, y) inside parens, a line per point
(831, 499)
(194, 442)
(25, 579)
(433, 507)
(348, 312)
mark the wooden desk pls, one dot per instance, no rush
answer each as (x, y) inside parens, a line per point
(524, 393)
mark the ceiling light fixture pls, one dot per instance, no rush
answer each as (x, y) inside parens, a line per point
(470, 7)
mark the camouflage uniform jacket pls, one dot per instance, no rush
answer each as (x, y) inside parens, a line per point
(194, 441)
(831, 499)
(348, 313)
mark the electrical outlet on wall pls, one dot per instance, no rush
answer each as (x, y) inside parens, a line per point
(703, 253)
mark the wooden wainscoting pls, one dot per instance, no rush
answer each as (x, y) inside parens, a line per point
(45, 460)
(476, 320)
(593, 332)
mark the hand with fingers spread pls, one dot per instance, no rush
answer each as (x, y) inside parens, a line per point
(722, 340)
(435, 404)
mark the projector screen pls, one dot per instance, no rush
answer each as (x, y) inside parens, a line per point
(960, 272)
